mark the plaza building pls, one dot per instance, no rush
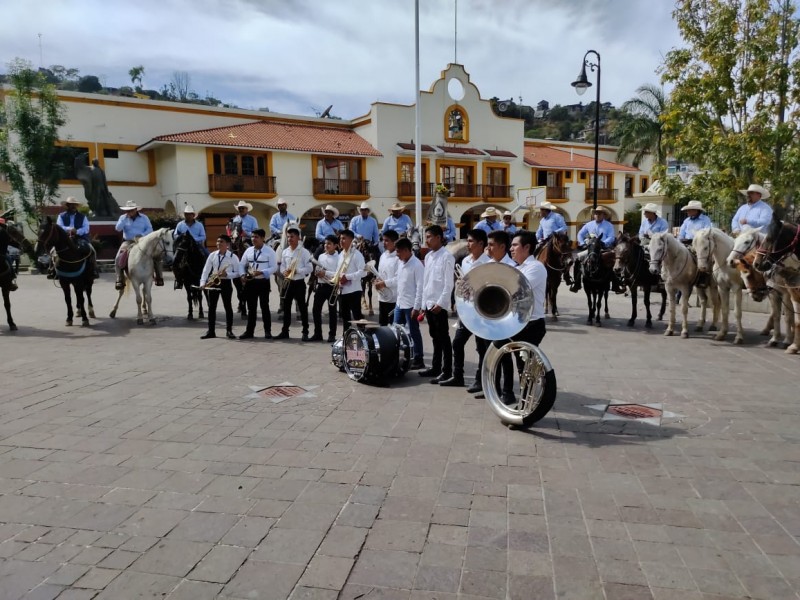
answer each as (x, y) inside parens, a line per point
(164, 155)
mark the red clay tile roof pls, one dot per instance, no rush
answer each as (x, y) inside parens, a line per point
(273, 135)
(461, 150)
(544, 156)
(425, 147)
(500, 153)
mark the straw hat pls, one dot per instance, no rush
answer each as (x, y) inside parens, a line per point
(397, 206)
(603, 210)
(694, 205)
(72, 200)
(508, 213)
(281, 201)
(189, 209)
(129, 205)
(547, 205)
(490, 212)
(243, 204)
(757, 189)
(331, 208)
(650, 207)
(364, 206)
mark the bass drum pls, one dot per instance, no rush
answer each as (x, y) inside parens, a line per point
(377, 354)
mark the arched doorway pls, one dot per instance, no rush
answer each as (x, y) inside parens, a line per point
(169, 207)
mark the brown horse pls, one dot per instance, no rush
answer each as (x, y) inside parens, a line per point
(632, 267)
(556, 255)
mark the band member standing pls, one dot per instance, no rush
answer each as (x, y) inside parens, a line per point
(350, 278)
(535, 272)
(133, 224)
(497, 246)
(437, 286)
(295, 263)
(386, 284)
(410, 278)
(257, 265)
(222, 264)
(322, 293)
(476, 244)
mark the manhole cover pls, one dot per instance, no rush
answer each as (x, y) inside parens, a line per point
(633, 411)
(281, 391)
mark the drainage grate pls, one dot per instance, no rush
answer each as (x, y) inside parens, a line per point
(281, 391)
(633, 411)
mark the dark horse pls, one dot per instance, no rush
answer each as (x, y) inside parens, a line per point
(556, 255)
(239, 243)
(73, 267)
(597, 276)
(187, 266)
(782, 239)
(632, 267)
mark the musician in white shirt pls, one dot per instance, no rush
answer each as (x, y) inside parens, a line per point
(223, 264)
(410, 276)
(328, 261)
(497, 249)
(257, 265)
(436, 289)
(350, 278)
(535, 272)
(295, 258)
(386, 284)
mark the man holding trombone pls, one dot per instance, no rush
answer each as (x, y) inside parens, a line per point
(296, 264)
(347, 281)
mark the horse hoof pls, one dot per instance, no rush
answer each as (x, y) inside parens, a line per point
(12, 327)
(648, 324)
(599, 323)
(668, 332)
(700, 328)
(792, 349)
(151, 322)
(91, 313)
(712, 328)
(607, 316)
(69, 323)
(684, 334)
(140, 321)
(555, 318)
(113, 314)
(738, 341)
(719, 337)
(631, 323)
(589, 321)
(372, 313)
(773, 343)
(765, 332)
(190, 318)
(85, 323)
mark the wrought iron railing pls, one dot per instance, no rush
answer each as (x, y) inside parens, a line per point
(495, 191)
(408, 188)
(557, 193)
(602, 194)
(259, 184)
(348, 187)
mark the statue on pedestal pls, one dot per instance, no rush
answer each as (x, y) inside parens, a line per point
(95, 187)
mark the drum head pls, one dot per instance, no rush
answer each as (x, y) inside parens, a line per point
(356, 354)
(337, 354)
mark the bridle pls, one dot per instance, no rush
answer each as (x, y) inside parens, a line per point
(763, 250)
(627, 273)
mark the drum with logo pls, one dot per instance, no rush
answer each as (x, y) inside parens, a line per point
(372, 354)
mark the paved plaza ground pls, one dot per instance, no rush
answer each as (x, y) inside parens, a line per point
(136, 463)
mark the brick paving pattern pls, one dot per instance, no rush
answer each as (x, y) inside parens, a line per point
(135, 462)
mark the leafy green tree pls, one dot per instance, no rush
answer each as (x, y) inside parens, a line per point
(28, 153)
(639, 130)
(733, 109)
(89, 84)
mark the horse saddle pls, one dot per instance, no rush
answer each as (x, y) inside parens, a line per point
(122, 260)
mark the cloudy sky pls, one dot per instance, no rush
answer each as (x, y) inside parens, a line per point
(299, 56)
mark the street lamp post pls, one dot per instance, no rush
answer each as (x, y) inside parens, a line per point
(581, 84)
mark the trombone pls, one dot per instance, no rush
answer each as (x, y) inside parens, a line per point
(336, 281)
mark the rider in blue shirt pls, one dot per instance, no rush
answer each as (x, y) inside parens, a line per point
(755, 212)
(193, 227)
(329, 225)
(244, 217)
(490, 222)
(365, 225)
(604, 230)
(280, 218)
(696, 221)
(133, 224)
(397, 221)
(450, 231)
(508, 224)
(651, 222)
(550, 222)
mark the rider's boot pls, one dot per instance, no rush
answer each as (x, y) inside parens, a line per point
(576, 274)
(157, 273)
(119, 284)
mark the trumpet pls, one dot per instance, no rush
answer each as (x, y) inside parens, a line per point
(336, 281)
(287, 279)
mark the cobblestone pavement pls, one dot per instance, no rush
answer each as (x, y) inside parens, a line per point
(133, 464)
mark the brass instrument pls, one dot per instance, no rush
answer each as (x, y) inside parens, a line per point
(287, 279)
(215, 280)
(317, 264)
(370, 266)
(336, 281)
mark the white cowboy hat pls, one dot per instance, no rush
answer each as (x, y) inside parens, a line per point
(71, 200)
(129, 205)
(189, 209)
(650, 207)
(694, 205)
(243, 204)
(508, 213)
(397, 206)
(281, 201)
(364, 206)
(490, 212)
(547, 205)
(757, 189)
(603, 210)
(333, 209)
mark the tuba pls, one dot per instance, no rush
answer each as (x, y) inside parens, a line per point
(495, 302)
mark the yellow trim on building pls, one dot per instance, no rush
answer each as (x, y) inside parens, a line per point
(465, 121)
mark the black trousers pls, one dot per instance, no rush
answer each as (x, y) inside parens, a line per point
(533, 333)
(442, 360)
(257, 294)
(350, 307)
(295, 293)
(226, 291)
(321, 296)
(386, 313)
(460, 340)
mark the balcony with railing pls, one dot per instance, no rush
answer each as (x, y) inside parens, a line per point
(464, 190)
(408, 189)
(241, 184)
(496, 191)
(323, 188)
(557, 193)
(603, 195)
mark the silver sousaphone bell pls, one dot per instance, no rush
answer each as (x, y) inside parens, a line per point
(495, 302)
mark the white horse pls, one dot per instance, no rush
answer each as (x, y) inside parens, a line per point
(760, 286)
(679, 274)
(713, 246)
(141, 255)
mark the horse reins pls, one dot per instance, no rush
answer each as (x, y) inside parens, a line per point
(761, 250)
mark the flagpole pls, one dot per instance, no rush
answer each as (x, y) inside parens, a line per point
(417, 127)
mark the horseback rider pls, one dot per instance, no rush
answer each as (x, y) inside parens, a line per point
(696, 220)
(193, 227)
(550, 222)
(450, 231)
(365, 225)
(329, 224)
(652, 222)
(5, 239)
(509, 225)
(490, 223)
(397, 221)
(755, 212)
(76, 224)
(279, 219)
(133, 225)
(602, 229)
(248, 221)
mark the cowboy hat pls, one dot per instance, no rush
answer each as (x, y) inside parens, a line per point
(694, 205)
(397, 206)
(71, 200)
(129, 205)
(547, 206)
(243, 204)
(757, 189)
(189, 209)
(603, 210)
(490, 212)
(650, 207)
(364, 206)
(508, 213)
(331, 208)
(281, 201)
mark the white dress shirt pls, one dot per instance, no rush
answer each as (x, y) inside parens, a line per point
(470, 263)
(329, 263)
(216, 262)
(387, 270)
(304, 266)
(536, 274)
(507, 260)
(410, 276)
(355, 270)
(438, 281)
(262, 259)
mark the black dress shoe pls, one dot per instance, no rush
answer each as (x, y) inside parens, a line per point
(452, 382)
(331, 339)
(267, 336)
(440, 378)
(283, 335)
(475, 388)
(208, 335)
(305, 338)
(508, 398)
(480, 395)
(317, 337)
(246, 336)
(230, 335)
(429, 373)
(416, 365)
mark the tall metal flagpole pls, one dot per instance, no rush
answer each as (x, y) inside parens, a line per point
(417, 127)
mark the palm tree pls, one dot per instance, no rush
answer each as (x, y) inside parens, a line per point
(640, 130)
(136, 74)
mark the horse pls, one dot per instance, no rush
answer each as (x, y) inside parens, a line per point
(631, 266)
(370, 252)
(713, 246)
(141, 255)
(187, 266)
(780, 241)
(597, 276)
(72, 267)
(239, 243)
(556, 255)
(680, 267)
(6, 277)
